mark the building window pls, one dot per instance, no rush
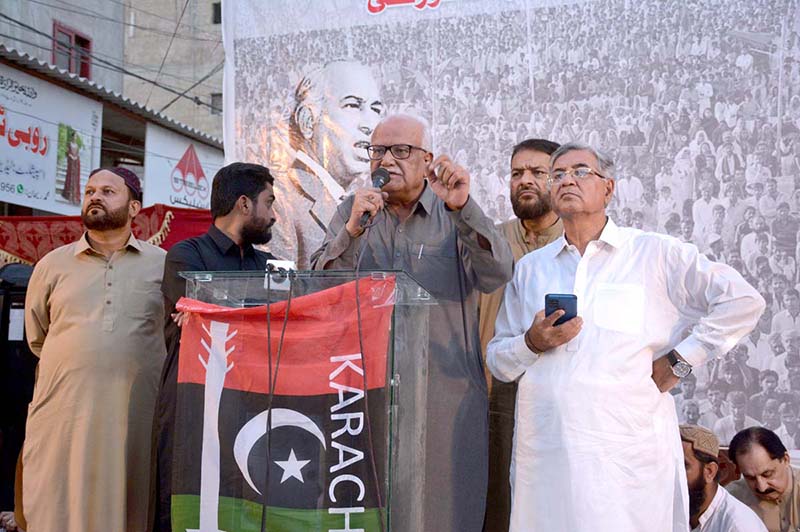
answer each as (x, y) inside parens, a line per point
(216, 103)
(71, 51)
(216, 15)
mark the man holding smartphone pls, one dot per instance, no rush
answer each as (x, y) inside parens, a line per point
(596, 443)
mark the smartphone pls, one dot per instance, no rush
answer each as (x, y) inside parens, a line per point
(566, 302)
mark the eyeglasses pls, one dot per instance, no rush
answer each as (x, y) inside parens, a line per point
(580, 173)
(399, 151)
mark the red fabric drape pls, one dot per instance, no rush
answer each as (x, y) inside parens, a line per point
(27, 239)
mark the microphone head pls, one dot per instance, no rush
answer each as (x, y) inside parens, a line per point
(380, 177)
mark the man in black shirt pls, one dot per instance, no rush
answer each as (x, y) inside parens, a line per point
(241, 209)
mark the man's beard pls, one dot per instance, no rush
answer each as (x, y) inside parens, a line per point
(697, 496)
(105, 220)
(530, 209)
(257, 231)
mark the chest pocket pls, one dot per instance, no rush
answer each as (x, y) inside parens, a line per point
(143, 300)
(436, 268)
(619, 307)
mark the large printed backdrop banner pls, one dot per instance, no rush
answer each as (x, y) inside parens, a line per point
(698, 105)
(320, 473)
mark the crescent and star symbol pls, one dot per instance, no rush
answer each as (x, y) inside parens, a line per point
(254, 429)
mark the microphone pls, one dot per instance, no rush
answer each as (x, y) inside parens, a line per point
(379, 178)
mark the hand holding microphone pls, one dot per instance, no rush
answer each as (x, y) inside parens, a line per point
(367, 202)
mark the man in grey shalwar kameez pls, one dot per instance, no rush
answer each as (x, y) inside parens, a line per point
(426, 223)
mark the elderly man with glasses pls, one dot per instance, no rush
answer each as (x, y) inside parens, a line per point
(596, 442)
(425, 222)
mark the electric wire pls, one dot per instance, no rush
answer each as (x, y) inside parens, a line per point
(114, 69)
(94, 14)
(198, 82)
(196, 99)
(150, 13)
(169, 47)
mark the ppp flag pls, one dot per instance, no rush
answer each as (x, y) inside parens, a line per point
(320, 473)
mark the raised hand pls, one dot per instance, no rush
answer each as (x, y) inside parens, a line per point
(449, 181)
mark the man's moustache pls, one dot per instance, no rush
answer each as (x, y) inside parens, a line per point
(521, 191)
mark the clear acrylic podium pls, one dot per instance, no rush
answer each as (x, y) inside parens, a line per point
(403, 431)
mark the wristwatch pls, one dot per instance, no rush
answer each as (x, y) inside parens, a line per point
(680, 368)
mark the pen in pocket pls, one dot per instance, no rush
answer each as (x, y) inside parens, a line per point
(420, 251)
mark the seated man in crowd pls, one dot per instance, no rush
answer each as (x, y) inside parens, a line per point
(787, 432)
(688, 387)
(770, 485)
(728, 426)
(714, 407)
(769, 390)
(711, 508)
(690, 412)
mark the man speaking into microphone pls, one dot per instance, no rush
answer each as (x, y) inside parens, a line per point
(424, 222)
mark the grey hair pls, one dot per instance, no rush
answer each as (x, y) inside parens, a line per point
(427, 139)
(605, 163)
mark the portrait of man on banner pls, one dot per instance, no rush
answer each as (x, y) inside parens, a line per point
(334, 110)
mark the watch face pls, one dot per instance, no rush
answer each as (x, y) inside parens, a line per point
(681, 369)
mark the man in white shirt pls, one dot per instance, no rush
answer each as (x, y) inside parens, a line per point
(758, 345)
(688, 388)
(789, 317)
(727, 427)
(712, 509)
(637, 294)
(749, 245)
(702, 211)
(629, 191)
(788, 431)
(714, 408)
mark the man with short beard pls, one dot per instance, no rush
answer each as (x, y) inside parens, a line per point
(535, 225)
(93, 316)
(241, 209)
(711, 508)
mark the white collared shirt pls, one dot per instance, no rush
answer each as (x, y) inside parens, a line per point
(589, 408)
(728, 514)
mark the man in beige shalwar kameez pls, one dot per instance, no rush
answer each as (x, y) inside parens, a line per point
(94, 316)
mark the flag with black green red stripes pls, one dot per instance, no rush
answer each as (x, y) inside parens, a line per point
(317, 468)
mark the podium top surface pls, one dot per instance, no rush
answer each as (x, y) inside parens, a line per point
(250, 288)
